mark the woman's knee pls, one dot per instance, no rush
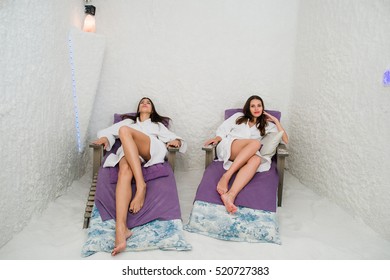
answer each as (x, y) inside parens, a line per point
(124, 170)
(255, 144)
(124, 131)
(255, 160)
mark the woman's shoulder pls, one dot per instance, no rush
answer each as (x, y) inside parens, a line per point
(123, 122)
(161, 125)
(238, 114)
(127, 121)
(235, 116)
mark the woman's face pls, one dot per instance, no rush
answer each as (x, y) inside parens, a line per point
(145, 106)
(256, 108)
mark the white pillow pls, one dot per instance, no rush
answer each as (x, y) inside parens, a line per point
(270, 142)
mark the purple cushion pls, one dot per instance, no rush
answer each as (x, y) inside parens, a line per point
(118, 117)
(150, 173)
(260, 193)
(161, 201)
(231, 112)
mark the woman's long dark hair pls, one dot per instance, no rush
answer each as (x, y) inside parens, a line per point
(154, 116)
(261, 121)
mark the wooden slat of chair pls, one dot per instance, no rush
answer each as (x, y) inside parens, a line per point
(90, 202)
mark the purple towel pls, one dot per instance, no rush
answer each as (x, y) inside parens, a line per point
(150, 173)
(260, 193)
(161, 201)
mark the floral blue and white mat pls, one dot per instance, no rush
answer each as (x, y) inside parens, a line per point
(246, 224)
(163, 235)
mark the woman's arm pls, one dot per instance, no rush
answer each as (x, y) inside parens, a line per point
(170, 138)
(213, 141)
(223, 130)
(271, 118)
(102, 141)
(174, 143)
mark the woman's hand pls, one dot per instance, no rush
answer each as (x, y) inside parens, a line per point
(271, 118)
(213, 141)
(102, 141)
(174, 143)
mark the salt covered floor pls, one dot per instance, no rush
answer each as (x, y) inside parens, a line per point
(311, 228)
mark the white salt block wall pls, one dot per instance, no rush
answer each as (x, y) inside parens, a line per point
(39, 146)
(194, 59)
(340, 130)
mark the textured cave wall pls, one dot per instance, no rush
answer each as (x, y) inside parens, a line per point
(39, 154)
(339, 112)
(194, 59)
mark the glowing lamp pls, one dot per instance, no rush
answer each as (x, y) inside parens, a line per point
(89, 21)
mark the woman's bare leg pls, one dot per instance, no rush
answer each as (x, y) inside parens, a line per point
(135, 144)
(122, 198)
(244, 175)
(241, 151)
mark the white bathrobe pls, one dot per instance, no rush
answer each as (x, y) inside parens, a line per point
(229, 131)
(157, 132)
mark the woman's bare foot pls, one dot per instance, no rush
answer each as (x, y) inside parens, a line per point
(122, 233)
(138, 201)
(228, 200)
(222, 186)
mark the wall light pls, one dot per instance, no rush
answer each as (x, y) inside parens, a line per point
(89, 21)
(386, 78)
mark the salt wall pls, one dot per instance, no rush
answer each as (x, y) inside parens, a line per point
(339, 113)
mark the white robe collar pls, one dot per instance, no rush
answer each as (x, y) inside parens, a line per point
(147, 121)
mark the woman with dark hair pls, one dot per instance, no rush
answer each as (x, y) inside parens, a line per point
(239, 141)
(144, 139)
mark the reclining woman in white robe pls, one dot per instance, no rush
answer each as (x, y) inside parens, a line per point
(239, 139)
(144, 139)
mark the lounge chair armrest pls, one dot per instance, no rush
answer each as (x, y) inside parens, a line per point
(96, 146)
(209, 147)
(282, 150)
(172, 156)
(210, 153)
(281, 154)
(97, 157)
